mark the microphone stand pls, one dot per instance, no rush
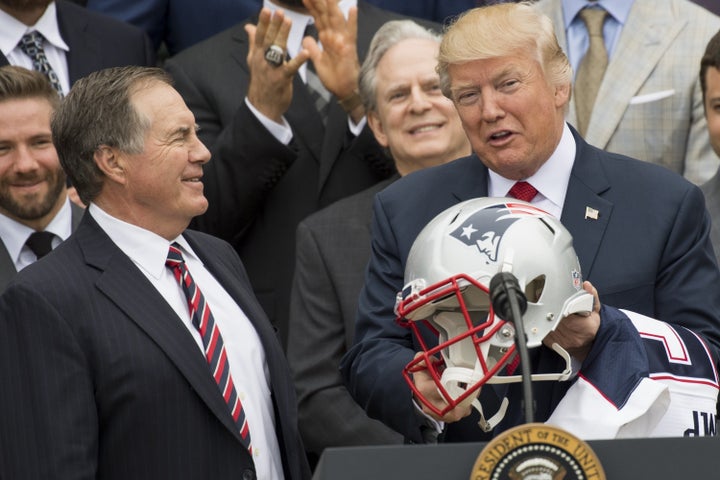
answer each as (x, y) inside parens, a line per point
(521, 345)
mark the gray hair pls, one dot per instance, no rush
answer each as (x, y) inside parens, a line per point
(385, 38)
(501, 30)
(98, 111)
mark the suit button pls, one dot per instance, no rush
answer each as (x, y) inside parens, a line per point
(248, 475)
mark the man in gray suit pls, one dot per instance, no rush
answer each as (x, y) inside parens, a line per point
(710, 81)
(420, 127)
(33, 196)
(649, 103)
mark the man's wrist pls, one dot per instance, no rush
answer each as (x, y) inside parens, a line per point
(351, 102)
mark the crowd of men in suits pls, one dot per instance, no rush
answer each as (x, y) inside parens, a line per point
(95, 322)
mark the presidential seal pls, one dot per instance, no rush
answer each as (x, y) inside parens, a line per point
(536, 451)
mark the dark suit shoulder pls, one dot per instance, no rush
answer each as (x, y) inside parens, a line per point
(353, 209)
(112, 26)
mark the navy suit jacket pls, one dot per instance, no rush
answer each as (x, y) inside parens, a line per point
(104, 381)
(648, 251)
(97, 41)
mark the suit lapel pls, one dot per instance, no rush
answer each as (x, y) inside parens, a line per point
(83, 56)
(473, 182)
(134, 295)
(642, 44)
(586, 214)
(7, 267)
(76, 215)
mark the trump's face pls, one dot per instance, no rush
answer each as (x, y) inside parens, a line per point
(163, 183)
(511, 112)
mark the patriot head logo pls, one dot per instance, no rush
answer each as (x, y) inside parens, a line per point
(485, 228)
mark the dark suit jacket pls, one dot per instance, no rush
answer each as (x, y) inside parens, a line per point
(258, 188)
(333, 247)
(97, 41)
(7, 266)
(648, 251)
(178, 23)
(104, 381)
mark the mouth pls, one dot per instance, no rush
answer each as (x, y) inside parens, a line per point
(501, 135)
(420, 129)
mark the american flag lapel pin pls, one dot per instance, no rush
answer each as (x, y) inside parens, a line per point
(591, 213)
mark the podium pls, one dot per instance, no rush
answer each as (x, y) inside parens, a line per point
(627, 459)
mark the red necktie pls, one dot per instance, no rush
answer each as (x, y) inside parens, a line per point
(215, 352)
(523, 191)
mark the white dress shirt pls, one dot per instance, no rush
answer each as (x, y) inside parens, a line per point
(12, 31)
(245, 352)
(14, 235)
(551, 180)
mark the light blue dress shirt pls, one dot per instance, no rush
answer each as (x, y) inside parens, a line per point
(576, 32)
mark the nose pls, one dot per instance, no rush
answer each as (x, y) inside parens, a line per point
(419, 101)
(24, 160)
(199, 152)
(491, 110)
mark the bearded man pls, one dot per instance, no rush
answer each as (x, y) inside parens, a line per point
(35, 213)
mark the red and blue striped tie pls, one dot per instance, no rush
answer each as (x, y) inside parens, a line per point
(215, 352)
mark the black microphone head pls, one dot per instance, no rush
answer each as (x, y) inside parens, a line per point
(502, 286)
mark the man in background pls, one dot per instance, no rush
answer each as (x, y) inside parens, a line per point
(710, 81)
(35, 213)
(66, 42)
(287, 136)
(635, 89)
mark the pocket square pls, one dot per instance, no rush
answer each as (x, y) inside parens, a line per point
(652, 97)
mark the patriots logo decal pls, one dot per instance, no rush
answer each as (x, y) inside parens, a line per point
(485, 228)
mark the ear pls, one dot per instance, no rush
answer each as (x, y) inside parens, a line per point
(111, 162)
(562, 95)
(377, 128)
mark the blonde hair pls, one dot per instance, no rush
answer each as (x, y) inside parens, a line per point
(501, 30)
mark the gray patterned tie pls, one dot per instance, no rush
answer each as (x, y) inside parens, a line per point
(592, 67)
(317, 90)
(32, 45)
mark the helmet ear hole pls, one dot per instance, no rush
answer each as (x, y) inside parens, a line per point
(534, 289)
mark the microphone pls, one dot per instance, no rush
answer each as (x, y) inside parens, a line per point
(510, 303)
(503, 287)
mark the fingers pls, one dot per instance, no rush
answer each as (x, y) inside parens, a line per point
(588, 287)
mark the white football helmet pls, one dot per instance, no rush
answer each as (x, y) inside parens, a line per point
(447, 279)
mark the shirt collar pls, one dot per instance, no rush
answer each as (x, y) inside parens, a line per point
(13, 29)
(14, 234)
(300, 21)
(146, 249)
(619, 9)
(551, 180)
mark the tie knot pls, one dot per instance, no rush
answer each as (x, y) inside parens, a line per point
(594, 19)
(174, 257)
(523, 191)
(40, 243)
(31, 43)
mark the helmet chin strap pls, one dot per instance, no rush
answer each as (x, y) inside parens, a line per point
(456, 379)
